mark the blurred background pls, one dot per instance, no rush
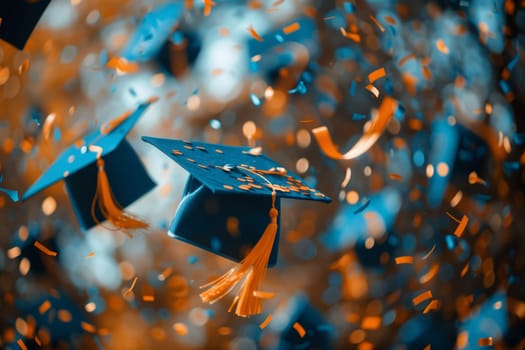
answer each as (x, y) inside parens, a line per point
(422, 246)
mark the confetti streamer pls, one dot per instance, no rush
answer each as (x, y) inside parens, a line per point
(367, 140)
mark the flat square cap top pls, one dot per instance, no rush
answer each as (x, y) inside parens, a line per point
(235, 170)
(78, 156)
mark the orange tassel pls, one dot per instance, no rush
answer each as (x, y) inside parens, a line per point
(252, 269)
(110, 209)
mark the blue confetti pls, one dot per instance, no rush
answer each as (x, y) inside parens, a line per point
(255, 100)
(352, 88)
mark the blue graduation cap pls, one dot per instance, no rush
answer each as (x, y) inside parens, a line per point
(96, 170)
(18, 18)
(225, 208)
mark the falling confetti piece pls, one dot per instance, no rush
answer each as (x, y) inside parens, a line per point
(377, 74)
(376, 22)
(363, 207)
(346, 180)
(404, 260)
(442, 47)
(352, 36)
(266, 322)
(291, 28)
(44, 249)
(122, 65)
(130, 289)
(406, 58)
(21, 344)
(456, 199)
(427, 255)
(422, 297)
(465, 270)
(369, 138)
(88, 327)
(432, 306)
(254, 34)
(485, 341)
(373, 90)
(46, 305)
(299, 329)
(462, 224)
(430, 274)
(394, 176)
(148, 298)
(208, 4)
(371, 322)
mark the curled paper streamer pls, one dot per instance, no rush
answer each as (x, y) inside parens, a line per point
(385, 113)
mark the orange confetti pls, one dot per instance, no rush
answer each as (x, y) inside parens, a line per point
(442, 47)
(425, 257)
(376, 22)
(353, 36)
(46, 305)
(489, 341)
(44, 249)
(122, 65)
(430, 274)
(394, 176)
(291, 28)
(266, 322)
(422, 297)
(373, 90)
(465, 269)
(165, 274)
(404, 260)
(21, 344)
(208, 4)
(48, 125)
(371, 322)
(130, 289)
(148, 298)
(254, 34)
(88, 327)
(458, 232)
(377, 74)
(23, 67)
(367, 140)
(406, 58)
(299, 329)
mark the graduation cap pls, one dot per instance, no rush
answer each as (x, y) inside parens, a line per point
(18, 18)
(225, 207)
(97, 172)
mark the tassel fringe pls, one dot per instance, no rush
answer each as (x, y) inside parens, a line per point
(109, 207)
(251, 271)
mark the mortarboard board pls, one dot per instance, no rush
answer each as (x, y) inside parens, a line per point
(18, 18)
(225, 207)
(96, 170)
